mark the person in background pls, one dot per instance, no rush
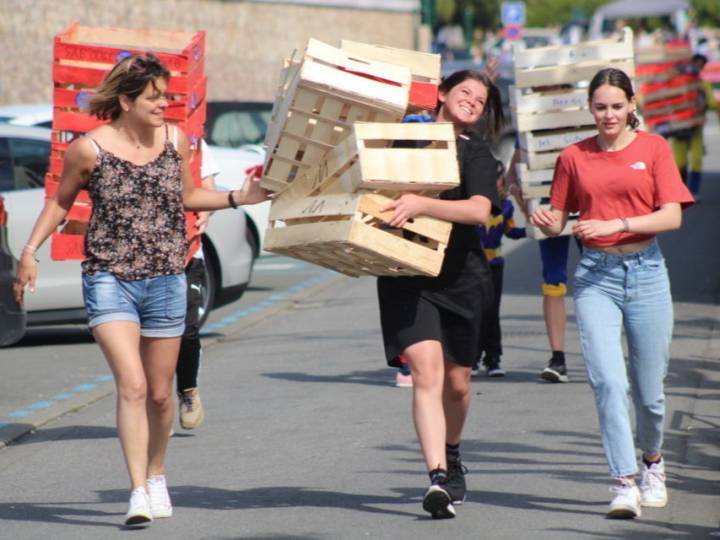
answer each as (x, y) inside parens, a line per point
(691, 141)
(627, 189)
(136, 170)
(190, 409)
(501, 223)
(554, 253)
(434, 322)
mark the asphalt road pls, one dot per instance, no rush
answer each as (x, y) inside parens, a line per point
(305, 436)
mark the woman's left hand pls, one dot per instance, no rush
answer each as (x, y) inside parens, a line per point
(593, 228)
(406, 207)
(251, 191)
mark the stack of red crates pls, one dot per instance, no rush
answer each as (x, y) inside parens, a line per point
(82, 57)
(669, 88)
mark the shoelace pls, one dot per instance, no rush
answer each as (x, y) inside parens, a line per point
(622, 488)
(653, 477)
(187, 400)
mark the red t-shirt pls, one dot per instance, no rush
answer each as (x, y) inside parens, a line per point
(634, 181)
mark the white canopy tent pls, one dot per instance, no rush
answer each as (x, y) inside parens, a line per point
(628, 9)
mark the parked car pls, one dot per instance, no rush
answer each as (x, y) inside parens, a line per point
(24, 157)
(12, 316)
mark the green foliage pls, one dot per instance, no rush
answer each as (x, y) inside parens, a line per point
(707, 12)
(446, 10)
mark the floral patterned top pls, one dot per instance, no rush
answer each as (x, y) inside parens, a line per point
(137, 227)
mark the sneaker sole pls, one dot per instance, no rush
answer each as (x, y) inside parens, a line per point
(496, 373)
(138, 521)
(553, 376)
(624, 512)
(655, 504)
(163, 514)
(437, 502)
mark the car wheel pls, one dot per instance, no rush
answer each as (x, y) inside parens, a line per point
(208, 286)
(253, 239)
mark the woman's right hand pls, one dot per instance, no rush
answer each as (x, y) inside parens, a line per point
(543, 217)
(26, 276)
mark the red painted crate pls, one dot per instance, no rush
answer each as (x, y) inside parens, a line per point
(82, 57)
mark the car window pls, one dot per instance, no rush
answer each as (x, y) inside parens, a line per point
(7, 178)
(30, 162)
(237, 128)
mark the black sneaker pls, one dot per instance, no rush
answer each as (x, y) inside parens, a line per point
(437, 500)
(492, 367)
(456, 485)
(556, 372)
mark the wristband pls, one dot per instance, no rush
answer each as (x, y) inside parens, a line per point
(231, 200)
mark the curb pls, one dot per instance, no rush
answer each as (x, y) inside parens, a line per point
(14, 430)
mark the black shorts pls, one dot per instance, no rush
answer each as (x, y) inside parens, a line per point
(407, 318)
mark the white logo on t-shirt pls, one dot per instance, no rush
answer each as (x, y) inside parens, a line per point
(638, 166)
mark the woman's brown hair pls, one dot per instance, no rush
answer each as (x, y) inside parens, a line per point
(129, 77)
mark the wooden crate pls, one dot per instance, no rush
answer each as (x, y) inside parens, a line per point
(549, 105)
(82, 56)
(346, 232)
(366, 159)
(569, 64)
(321, 94)
(424, 69)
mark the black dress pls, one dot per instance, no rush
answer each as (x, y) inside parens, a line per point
(448, 308)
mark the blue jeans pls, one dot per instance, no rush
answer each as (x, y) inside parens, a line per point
(613, 292)
(156, 304)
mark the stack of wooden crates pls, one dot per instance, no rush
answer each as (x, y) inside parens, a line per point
(338, 154)
(668, 87)
(82, 58)
(549, 106)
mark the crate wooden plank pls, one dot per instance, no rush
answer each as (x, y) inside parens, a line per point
(553, 120)
(596, 51)
(668, 92)
(570, 73)
(553, 140)
(539, 160)
(423, 66)
(557, 100)
(660, 54)
(179, 51)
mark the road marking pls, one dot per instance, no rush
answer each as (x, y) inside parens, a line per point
(266, 303)
(222, 323)
(278, 266)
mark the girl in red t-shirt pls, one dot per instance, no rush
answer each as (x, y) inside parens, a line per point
(627, 189)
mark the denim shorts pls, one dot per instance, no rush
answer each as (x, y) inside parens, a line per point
(157, 304)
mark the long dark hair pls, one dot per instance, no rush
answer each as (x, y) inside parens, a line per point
(492, 115)
(619, 79)
(129, 77)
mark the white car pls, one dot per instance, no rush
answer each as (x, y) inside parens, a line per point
(24, 156)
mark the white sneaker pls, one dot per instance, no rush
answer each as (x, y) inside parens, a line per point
(652, 485)
(159, 497)
(626, 503)
(139, 513)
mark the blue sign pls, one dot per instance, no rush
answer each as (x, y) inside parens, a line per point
(512, 13)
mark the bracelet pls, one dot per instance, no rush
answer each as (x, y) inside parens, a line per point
(231, 200)
(626, 226)
(30, 248)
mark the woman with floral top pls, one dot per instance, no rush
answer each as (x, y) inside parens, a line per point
(136, 171)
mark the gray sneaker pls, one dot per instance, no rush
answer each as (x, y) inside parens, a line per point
(556, 372)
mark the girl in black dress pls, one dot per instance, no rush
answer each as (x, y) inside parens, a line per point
(434, 322)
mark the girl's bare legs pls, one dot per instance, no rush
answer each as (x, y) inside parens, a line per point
(427, 367)
(159, 357)
(456, 400)
(120, 343)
